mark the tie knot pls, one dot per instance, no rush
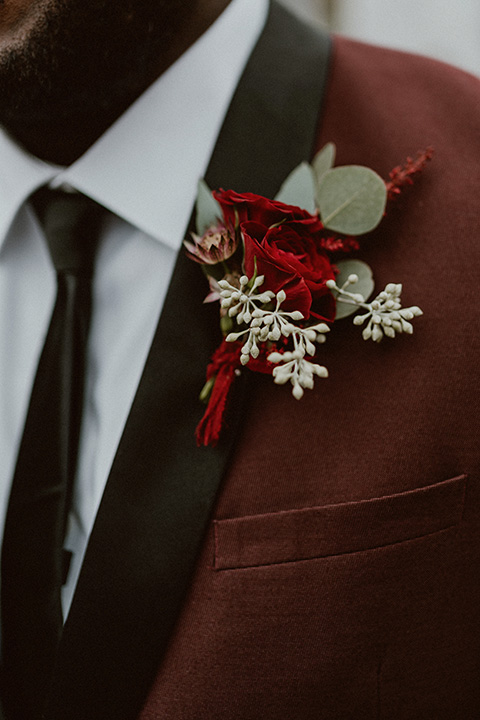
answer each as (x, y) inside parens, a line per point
(71, 223)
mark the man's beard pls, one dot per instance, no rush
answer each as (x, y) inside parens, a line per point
(84, 59)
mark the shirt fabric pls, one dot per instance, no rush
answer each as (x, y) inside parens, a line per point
(145, 170)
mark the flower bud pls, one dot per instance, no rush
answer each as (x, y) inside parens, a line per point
(297, 392)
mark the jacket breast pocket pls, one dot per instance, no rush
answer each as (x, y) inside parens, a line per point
(328, 530)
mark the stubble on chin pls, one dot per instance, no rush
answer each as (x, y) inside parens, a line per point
(79, 63)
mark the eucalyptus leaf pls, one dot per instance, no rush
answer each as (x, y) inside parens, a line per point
(324, 160)
(351, 199)
(208, 211)
(364, 286)
(299, 188)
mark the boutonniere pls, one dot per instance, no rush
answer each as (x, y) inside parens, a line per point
(276, 269)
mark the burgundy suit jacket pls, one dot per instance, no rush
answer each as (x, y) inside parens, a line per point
(340, 575)
(337, 569)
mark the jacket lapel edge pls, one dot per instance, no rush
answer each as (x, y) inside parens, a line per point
(113, 644)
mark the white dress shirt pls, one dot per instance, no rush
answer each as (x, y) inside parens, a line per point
(144, 169)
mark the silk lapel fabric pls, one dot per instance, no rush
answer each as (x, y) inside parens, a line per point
(162, 488)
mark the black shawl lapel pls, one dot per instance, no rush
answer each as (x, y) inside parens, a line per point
(162, 487)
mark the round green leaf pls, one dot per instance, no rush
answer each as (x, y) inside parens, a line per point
(299, 188)
(364, 286)
(324, 160)
(351, 199)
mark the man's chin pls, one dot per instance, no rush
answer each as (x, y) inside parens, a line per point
(17, 18)
(75, 64)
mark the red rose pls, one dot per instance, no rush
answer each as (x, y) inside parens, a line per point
(292, 260)
(286, 242)
(241, 207)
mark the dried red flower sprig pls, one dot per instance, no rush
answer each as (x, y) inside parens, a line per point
(402, 175)
(221, 373)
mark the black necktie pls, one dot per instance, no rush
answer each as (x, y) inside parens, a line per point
(32, 554)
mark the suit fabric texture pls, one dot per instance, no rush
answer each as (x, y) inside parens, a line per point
(322, 562)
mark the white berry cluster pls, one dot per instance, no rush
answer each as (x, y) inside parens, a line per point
(269, 325)
(264, 323)
(385, 314)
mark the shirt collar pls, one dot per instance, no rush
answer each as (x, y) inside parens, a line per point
(146, 167)
(20, 175)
